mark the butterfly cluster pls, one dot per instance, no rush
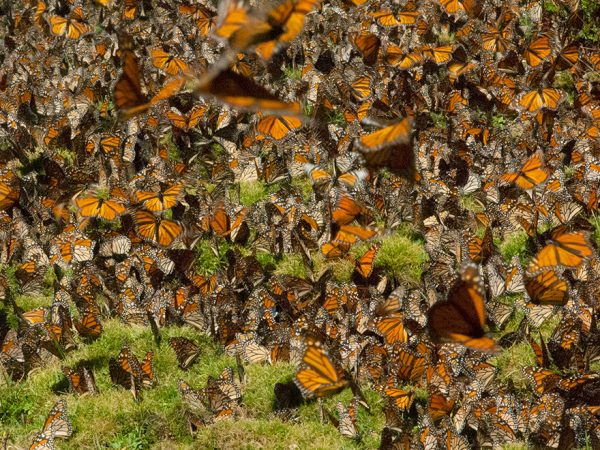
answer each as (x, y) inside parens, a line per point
(129, 131)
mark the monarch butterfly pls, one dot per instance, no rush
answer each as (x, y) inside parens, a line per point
(167, 63)
(283, 23)
(532, 174)
(346, 209)
(160, 201)
(57, 423)
(395, 56)
(98, 207)
(81, 380)
(186, 351)
(365, 264)
(456, 6)
(390, 147)
(566, 249)
(73, 27)
(89, 326)
(42, 442)
(278, 127)
(222, 394)
(361, 88)
(547, 288)
(368, 45)
(480, 249)
(386, 18)
(147, 374)
(538, 51)
(347, 421)
(162, 231)
(402, 398)
(391, 327)
(241, 92)
(127, 93)
(410, 365)
(439, 55)
(9, 195)
(438, 405)
(321, 378)
(188, 121)
(533, 101)
(192, 397)
(204, 19)
(125, 371)
(462, 317)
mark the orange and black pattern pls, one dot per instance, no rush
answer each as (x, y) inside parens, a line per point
(140, 140)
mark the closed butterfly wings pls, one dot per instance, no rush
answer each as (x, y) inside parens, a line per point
(56, 425)
(186, 351)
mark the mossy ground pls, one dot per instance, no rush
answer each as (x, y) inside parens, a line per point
(112, 419)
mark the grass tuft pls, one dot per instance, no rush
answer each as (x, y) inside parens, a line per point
(291, 264)
(514, 245)
(402, 255)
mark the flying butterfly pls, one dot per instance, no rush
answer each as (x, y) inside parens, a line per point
(461, 318)
(98, 207)
(535, 100)
(188, 121)
(280, 25)
(532, 174)
(278, 127)
(73, 28)
(167, 63)
(365, 264)
(538, 51)
(240, 92)
(390, 147)
(565, 249)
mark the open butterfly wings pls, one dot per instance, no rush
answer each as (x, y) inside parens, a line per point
(390, 147)
(461, 319)
(321, 378)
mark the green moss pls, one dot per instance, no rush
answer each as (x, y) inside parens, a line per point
(293, 73)
(336, 117)
(499, 121)
(510, 364)
(29, 302)
(167, 140)
(439, 120)
(259, 395)
(67, 155)
(291, 264)
(251, 192)
(551, 7)
(471, 203)
(515, 446)
(266, 260)
(304, 188)
(341, 269)
(210, 258)
(402, 255)
(590, 31)
(102, 192)
(514, 245)
(595, 221)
